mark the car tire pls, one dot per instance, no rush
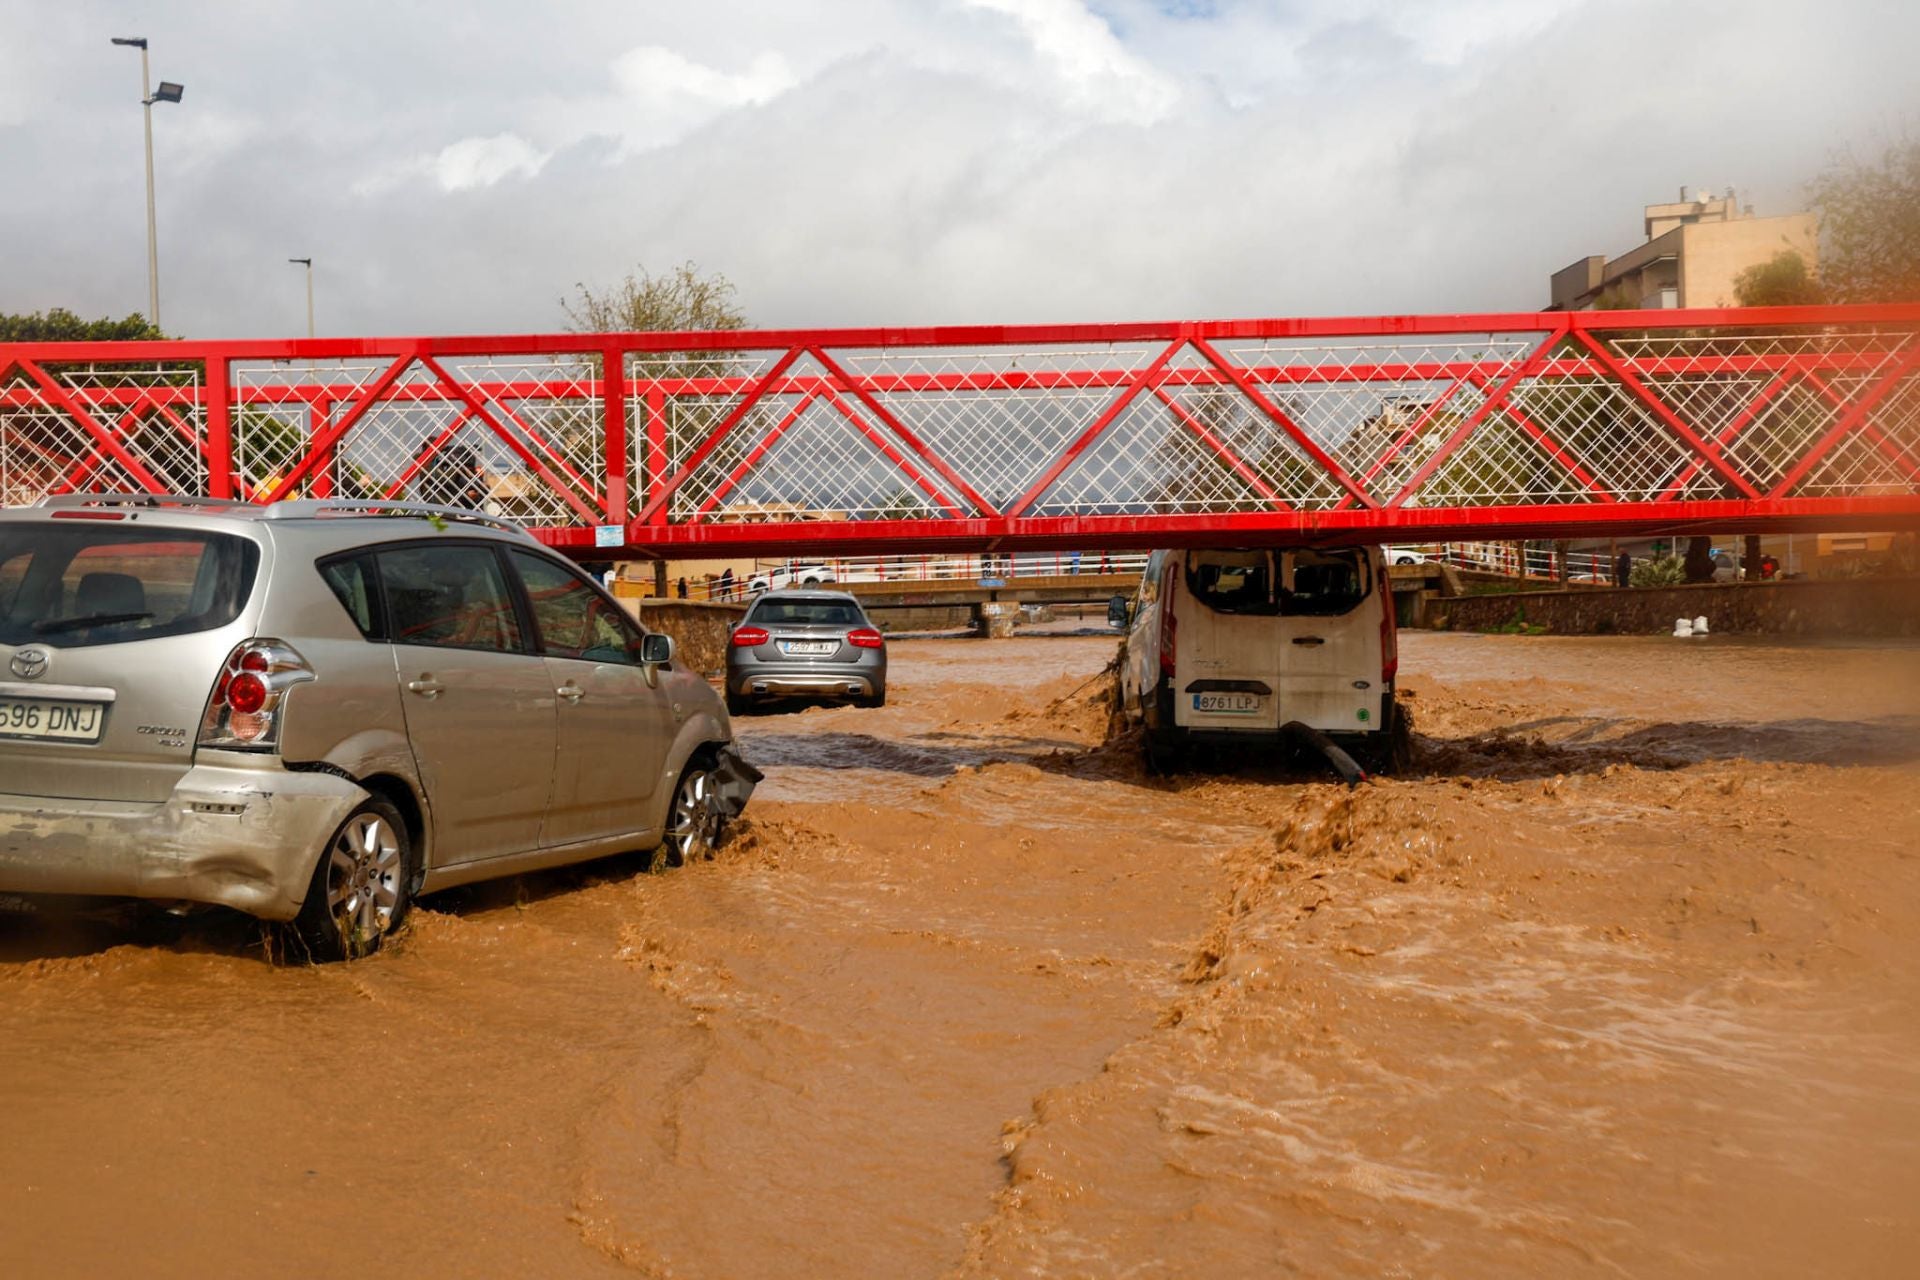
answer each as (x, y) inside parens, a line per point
(738, 704)
(361, 888)
(876, 699)
(693, 823)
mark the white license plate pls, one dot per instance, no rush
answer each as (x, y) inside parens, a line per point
(63, 721)
(809, 646)
(1229, 704)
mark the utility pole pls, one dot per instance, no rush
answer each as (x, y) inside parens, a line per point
(308, 264)
(168, 92)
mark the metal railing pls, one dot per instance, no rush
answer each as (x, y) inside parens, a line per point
(1118, 436)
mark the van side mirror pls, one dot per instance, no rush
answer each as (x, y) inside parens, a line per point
(656, 650)
(1119, 612)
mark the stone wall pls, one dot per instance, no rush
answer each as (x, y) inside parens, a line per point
(1849, 607)
(699, 629)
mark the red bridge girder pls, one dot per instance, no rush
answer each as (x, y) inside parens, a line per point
(1125, 436)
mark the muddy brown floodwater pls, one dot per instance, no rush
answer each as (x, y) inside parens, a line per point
(1619, 980)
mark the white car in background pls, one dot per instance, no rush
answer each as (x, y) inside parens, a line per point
(794, 573)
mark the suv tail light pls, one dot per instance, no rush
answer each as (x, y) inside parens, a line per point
(244, 711)
(1389, 634)
(750, 637)
(866, 638)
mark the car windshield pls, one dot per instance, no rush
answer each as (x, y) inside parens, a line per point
(806, 613)
(85, 585)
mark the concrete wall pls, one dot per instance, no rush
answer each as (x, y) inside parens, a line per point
(699, 629)
(1841, 607)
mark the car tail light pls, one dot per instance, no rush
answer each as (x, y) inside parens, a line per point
(244, 711)
(866, 638)
(1169, 625)
(1389, 635)
(750, 637)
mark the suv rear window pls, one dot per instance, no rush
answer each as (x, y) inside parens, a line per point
(805, 613)
(75, 587)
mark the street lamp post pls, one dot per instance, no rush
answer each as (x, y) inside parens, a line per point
(168, 92)
(308, 264)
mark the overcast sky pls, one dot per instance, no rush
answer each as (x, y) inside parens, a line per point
(456, 168)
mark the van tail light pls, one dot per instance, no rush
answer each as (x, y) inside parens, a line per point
(750, 637)
(1389, 635)
(1169, 625)
(243, 712)
(865, 638)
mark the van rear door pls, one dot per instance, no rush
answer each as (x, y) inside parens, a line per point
(1268, 637)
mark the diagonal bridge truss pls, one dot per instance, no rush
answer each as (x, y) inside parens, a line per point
(1087, 436)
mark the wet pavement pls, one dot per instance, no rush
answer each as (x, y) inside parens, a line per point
(1617, 980)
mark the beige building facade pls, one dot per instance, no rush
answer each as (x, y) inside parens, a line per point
(1695, 250)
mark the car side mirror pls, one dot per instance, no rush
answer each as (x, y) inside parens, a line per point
(656, 650)
(1119, 612)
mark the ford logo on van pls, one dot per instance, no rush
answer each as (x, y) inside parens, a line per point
(29, 664)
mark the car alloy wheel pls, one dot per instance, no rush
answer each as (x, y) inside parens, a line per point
(360, 888)
(694, 824)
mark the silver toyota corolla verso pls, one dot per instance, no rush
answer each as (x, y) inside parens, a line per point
(315, 711)
(807, 644)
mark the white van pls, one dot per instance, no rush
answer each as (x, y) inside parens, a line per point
(1228, 647)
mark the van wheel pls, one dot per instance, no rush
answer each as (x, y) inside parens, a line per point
(1162, 754)
(1394, 751)
(361, 887)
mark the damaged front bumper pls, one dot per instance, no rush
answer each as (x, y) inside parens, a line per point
(241, 837)
(733, 782)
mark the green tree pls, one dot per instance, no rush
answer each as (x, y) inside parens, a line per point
(1870, 226)
(679, 299)
(62, 325)
(1782, 281)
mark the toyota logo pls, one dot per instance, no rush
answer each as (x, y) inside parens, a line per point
(29, 664)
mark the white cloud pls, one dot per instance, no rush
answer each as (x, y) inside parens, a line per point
(665, 94)
(481, 162)
(1095, 71)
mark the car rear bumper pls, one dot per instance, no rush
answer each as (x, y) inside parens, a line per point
(846, 682)
(235, 836)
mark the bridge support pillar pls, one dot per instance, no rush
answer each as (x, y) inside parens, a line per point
(995, 619)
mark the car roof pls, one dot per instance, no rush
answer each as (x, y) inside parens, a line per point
(358, 520)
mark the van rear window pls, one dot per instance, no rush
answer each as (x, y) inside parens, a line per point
(74, 587)
(1314, 584)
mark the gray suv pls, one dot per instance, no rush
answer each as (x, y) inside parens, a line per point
(806, 644)
(313, 712)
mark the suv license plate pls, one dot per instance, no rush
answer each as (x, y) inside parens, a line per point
(1230, 704)
(809, 646)
(62, 721)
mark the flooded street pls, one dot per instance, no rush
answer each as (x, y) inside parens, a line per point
(1618, 980)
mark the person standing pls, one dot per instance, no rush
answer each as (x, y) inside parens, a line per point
(1623, 570)
(726, 583)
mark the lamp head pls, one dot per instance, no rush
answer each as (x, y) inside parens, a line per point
(138, 42)
(168, 92)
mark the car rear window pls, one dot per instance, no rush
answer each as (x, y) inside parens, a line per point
(806, 613)
(80, 586)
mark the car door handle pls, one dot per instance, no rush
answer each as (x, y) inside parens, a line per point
(1309, 639)
(426, 686)
(571, 691)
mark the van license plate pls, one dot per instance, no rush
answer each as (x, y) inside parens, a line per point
(63, 721)
(1230, 704)
(809, 646)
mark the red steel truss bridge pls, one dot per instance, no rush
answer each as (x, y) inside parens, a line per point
(1116, 436)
